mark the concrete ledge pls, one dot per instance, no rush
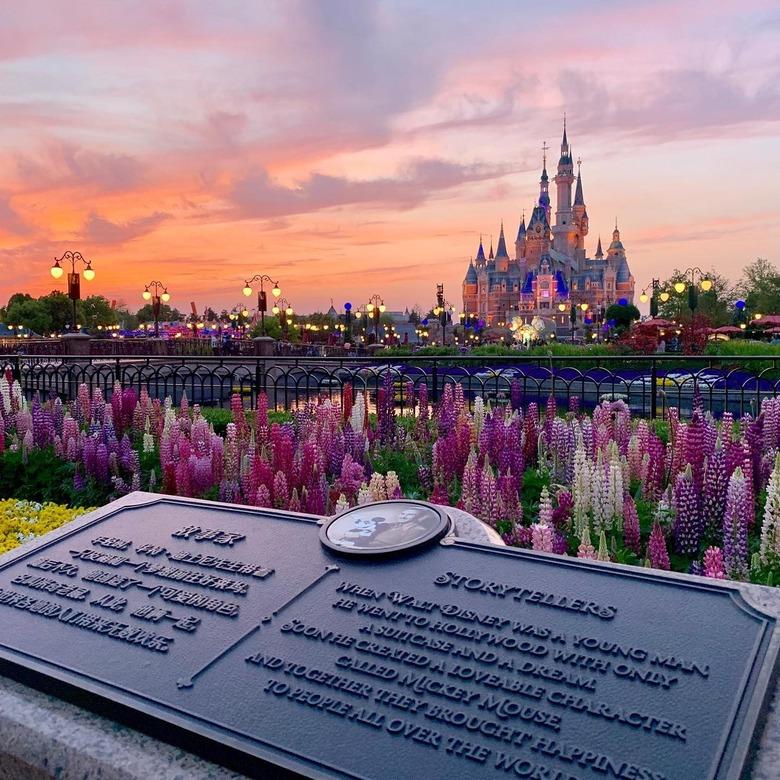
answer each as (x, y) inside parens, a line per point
(42, 737)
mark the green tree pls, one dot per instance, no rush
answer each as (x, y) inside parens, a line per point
(60, 309)
(97, 310)
(167, 313)
(759, 287)
(623, 315)
(715, 305)
(273, 327)
(30, 313)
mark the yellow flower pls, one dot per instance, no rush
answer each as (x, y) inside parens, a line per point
(21, 521)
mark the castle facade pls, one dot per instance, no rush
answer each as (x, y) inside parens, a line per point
(550, 271)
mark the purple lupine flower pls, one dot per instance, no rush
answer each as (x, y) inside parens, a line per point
(714, 492)
(687, 525)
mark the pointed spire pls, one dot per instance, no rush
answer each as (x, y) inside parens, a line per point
(521, 229)
(599, 250)
(480, 251)
(565, 141)
(490, 254)
(579, 200)
(501, 250)
(616, 232)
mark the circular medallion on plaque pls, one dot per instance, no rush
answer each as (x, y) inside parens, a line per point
(384, 527)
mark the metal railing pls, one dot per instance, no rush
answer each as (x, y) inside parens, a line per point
(649, 385)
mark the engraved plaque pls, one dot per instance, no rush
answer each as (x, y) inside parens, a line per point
(244, 635)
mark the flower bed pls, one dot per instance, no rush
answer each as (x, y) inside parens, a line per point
(699, 495)
(21, 521)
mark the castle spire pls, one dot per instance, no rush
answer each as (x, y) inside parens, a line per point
(599, 250)
(501, 250)
(490, 254)
(579, 200)
(521, 230)
(480, 251)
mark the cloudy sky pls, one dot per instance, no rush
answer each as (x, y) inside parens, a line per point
(350, 147)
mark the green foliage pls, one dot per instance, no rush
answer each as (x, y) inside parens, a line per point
(96, 310)
(716, 305)
(403, 463)
(219, 417)
(760, 287)
(405, 351)
(30, 313)
(623, 315)
(533, 482)
(167, 313)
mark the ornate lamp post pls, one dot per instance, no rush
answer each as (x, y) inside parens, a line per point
(693, 297)
(376, 308)
(655, 284)
(443, 310)
(238, 317)
(283, 308)
(347, 322)
(156, 296)
(74, 281)
(262, 302)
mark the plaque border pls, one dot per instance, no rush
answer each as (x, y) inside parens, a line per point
(225, 744)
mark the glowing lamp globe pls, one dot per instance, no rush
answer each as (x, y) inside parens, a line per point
(146, 295)
(706, 284)
(275, 310)
(57, 271)
(561, 307)
(245, 312)
(643, 297)
(247, 291)
(381, 307)
(276, 291)
(165, 297)
(89, 274)
(289, 311)
(370, 307)
(664, 296)
(584, 306)
(679, 287)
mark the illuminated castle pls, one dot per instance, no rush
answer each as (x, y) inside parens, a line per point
(550, 270)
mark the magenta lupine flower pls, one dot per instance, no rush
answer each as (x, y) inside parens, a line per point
(281, 491)
(713, 565)
(470, 496)
(657, 553)
(694, 450)
(735, 526)
(631, 534)
(687, 524)
(263, 497)
(488, 496)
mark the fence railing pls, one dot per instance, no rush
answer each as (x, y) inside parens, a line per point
(649, 385)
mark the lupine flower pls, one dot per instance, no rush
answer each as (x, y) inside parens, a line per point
(735, 526)
(713, 565)
(770, 529)
(586, 549)
(687, 526)
(657, 553)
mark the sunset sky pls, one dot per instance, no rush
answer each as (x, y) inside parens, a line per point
(351, 148)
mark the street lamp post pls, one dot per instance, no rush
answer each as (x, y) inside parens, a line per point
(74, 282)
(262, 303)
(156, 296)
(283, 308)
(347, 322)
(704, 282)
(442, 312)
(376, 308)
(655, 284)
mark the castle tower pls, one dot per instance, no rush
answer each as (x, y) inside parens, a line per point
(564, 239)
(481, 260)
(544, 185)
(580, 216)
(502, 256)
(520, 241)
(470, 289)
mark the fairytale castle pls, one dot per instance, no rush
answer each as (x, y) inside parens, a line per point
(550, 271)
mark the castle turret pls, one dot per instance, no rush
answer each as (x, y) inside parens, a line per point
(544, 185)
(580, 217)
(481, 253)
(564, 238)
(470, 289)
(520, 241)
(502, 256)
(599, 250)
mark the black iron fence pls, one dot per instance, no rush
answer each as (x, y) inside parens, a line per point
(649, 385)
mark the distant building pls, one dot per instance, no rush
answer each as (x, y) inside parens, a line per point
(550, 266)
